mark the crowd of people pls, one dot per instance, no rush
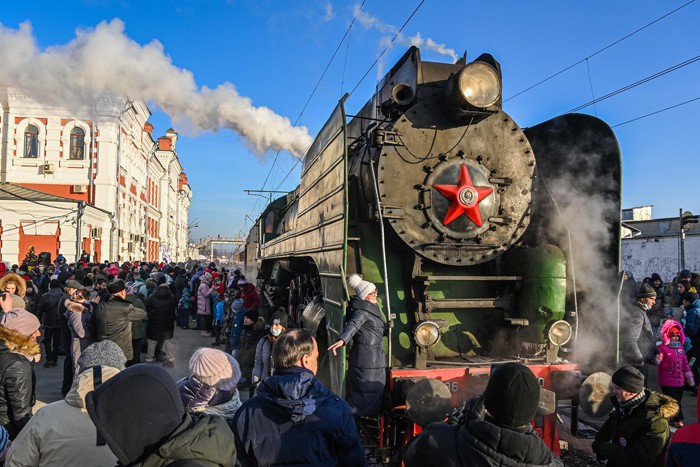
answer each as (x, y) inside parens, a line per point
(104, 317)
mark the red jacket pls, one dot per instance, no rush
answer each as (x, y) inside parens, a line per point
(251, 300)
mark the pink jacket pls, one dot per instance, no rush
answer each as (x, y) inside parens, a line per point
(204, 294)
(673, 364)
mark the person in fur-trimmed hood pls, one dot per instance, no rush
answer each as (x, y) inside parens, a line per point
(14, 284)
(79, 313)
(18, 348)
(672, 363)
(637, 431)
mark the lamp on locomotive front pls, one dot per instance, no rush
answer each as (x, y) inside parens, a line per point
(476, 86)
(557, 333)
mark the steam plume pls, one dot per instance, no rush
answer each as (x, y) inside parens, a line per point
(372, 22)
(104, 60)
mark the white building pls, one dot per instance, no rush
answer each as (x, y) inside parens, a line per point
(92, 180)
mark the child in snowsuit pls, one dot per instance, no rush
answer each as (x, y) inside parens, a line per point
(674, 370)
(218, 319)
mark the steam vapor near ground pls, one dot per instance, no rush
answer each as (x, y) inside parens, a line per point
(105, 60)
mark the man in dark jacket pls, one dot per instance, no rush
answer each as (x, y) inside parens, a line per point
(161, 307)
(114, 318)
(293, 419)
(141, 417)
(49, 305)
(494, 429)
(637, 341)
(637, 432)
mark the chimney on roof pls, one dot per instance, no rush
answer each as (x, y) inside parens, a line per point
(172, 134)
(149, 128)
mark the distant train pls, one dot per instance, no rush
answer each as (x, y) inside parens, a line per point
(436, 195)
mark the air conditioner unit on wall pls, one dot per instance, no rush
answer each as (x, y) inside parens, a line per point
(80, 188)
(48, 168)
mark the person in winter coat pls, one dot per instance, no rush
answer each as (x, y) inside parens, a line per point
(114, 318)
(79, 313)
(219, 315)
(183, 310)
(31, 299)
(211, 386)
(251, 299)
(253, 331)
(637, 341)
(204, 294)
(61, 434)
(161, 308)
(493, 429)
(672, 362)
(48, 311)
(232, 299)
(237, 321)
(684, 447)
(19, 348)
(691, 305)
(636, 432)
(14, 284)
(263, 351)
(293, 419)
(366, 375)
(141, 417)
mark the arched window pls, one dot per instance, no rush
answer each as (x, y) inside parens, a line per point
(31, 142)
(77, 143)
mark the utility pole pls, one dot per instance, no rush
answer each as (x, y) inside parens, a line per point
(684, 219)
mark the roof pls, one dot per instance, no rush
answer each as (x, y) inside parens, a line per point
(665, 227)
(10, 191)
(13, 192)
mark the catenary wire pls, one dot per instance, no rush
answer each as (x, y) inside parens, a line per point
(655, 112)
(597, 52)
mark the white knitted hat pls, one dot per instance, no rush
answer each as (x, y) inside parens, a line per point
(362, 288)
(215, 368)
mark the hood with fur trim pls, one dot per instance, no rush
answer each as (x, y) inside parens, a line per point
(668, 324)
(74, 306)
(19, 343)
(16, 279)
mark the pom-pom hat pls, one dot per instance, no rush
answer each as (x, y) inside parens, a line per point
(362, 287)
(215, 368)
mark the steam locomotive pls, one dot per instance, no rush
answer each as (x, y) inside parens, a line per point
(437, 196)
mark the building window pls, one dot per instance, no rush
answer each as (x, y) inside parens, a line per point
(31, 142)
(77, 144)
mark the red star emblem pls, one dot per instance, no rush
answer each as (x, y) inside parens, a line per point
(465, 198)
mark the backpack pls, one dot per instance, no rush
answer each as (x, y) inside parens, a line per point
(93, 324)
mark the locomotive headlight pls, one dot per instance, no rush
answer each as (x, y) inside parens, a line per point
(559, 333)
(427, 333)
(479, 84)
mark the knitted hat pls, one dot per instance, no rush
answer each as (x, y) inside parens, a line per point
(686, 274)
(629, 378)
(104, 353)
(280, 317)
(674, 331)
(17, 302)
(20, 320)
(215, 368)
(362, 288)
(252, 314)
(691, 296)
(512, 395)
(646, 291)
(135, 411)
(655, 277)
(116, 286)
(206, 278)
(71, 284)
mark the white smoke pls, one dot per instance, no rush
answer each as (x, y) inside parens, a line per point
(104, 60)
(329, 14)
(371, 22)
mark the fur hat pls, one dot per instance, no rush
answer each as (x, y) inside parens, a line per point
(362, 287)
(20, 283)
(116, 286)
(646, 291)
(629, 378)
(215, 368)
(135, 411)
(20, 320)
(512, 395)
(104, 353)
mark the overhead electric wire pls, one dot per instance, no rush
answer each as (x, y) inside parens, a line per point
(366, 73)
(637, 83)
(655, 112)
(347, 32)
(597, 52)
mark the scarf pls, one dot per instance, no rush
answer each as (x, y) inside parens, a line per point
(627, 407)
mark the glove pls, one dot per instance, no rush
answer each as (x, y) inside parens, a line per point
(656, 361)
(689, 378)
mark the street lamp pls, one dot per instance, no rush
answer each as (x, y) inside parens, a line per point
(686, 218)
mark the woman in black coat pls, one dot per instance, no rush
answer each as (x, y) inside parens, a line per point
(367, 363)
(161, 307)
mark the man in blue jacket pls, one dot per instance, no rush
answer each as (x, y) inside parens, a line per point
(293, 419)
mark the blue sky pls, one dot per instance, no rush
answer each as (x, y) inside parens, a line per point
(274, 52)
